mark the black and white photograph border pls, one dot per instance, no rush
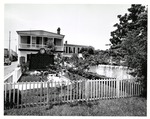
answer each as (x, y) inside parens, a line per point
(47, 72)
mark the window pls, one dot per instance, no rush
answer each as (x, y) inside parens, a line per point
(37, 40)
(28, 39)
(74, 50)
(45, 41)
(57, 41)
(66, 49)
(78, 50)
(70, 50)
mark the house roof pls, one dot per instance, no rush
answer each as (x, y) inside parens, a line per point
(75, 45)
(40, 33)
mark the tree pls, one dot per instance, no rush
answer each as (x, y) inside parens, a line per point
(50, 47)
(74, 58)
(87, 51)
(129, 41)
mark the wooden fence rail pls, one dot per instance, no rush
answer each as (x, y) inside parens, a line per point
(24, 94)
(13, 76)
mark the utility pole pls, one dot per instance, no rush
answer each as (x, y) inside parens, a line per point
(9, 42)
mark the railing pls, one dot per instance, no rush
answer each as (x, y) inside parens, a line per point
(24, 94)
(13, 76)
(31, 46)
(37, 46)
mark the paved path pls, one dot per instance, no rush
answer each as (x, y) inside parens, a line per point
(10, 68)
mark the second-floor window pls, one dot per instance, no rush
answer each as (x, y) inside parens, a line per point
(45, 41)
(28, 39)
(57, 42)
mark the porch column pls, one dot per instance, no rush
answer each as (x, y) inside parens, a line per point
(42, 42)
(76, 50)
(30, 41)
(62, 42)
(54, 44)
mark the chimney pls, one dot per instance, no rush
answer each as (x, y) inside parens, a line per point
(58, 30)
(65, 42)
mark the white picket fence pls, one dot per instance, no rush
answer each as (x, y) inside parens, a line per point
(13, 76)
(24, 94)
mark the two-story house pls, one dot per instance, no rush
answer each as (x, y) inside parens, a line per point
(30, 42)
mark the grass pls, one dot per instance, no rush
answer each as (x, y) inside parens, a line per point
(32, 78)
(134, 106)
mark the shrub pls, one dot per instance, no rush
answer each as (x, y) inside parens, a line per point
(88, 75)
(24, 67)
(8, 103)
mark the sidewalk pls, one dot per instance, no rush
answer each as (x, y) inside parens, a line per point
(9, 69)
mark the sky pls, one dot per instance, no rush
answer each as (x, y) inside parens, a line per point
(82, 24)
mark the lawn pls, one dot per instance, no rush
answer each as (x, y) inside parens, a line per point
(134, 106)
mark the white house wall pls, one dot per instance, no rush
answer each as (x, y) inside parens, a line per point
(24, 54)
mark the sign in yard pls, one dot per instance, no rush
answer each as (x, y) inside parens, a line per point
(40, 60)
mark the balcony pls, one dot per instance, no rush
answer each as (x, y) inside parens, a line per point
(37, 47)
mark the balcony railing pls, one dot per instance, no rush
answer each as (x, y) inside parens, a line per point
(38, 46)
(31, 46)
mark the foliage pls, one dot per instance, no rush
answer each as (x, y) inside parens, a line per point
(73, 76)
(58, 64)
(87, 51)
(50, 47)
(102, 57)
(129, 41)
(88, 75)
(92, 57)
(80, 65)
(136, 18)
(24, 67)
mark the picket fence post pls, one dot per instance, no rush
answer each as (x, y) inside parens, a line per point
(47, 93)
(117, 87)
(41, 92)
(86, 89)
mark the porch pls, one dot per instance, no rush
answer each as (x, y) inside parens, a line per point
(24, 46)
